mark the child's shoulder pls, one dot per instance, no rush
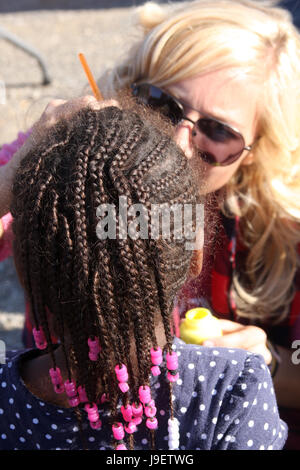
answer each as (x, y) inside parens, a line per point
(10, 364)
(7, 358)
(229, 394)
(219, 370)
(234, 359)
(14, 355)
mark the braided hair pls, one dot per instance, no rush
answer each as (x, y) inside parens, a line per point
(112, 292)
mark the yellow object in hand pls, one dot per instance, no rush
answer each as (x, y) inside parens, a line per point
(199, 325)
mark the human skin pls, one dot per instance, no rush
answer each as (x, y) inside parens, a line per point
(214, 101)
(227, 96)
(56, 109)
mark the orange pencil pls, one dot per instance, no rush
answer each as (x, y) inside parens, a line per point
(90, 78)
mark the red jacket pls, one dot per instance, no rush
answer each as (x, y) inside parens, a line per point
(212, 289)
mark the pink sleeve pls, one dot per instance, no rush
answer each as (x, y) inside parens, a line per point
(7, 237)
(6, 153)
(8, 150)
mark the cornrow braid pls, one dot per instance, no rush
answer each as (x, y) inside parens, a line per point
(81, 247)
(142, 336)
(32, 234)
(136, 176)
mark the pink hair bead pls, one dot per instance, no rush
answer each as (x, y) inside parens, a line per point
(57, 380)
(123, 386)
(130, 428)
(150, 411)
(55, 375)
(94, 348)
(118, 431)
(104, 398)
(121, 373)
(94, 345)
(137, 420)
(156, 356)
(74, 401)
(126, 412)
(39, 338)
(96, 425)
(59, 388)
(70, 388)
(137, 411)
(121, 447)
(82, 394)
(91, 408)
(71, 391)
(151, 423)
(93, 416)
(144, 394)
(172, 361)
(172, 378)
(92, 411)
(155, 370)
(122, 376)
(93, 357)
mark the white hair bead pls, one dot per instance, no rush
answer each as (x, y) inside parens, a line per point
(173, 428)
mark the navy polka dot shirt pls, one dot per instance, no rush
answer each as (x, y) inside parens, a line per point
(223, 399)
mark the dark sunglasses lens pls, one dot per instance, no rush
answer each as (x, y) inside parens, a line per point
(221, 144)
(159, 101)
(208, 157)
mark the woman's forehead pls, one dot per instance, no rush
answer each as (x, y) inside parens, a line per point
(226, 95)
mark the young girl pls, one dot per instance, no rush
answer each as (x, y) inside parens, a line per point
(117, 379)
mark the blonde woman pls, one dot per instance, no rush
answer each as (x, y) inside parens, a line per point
(227, 73)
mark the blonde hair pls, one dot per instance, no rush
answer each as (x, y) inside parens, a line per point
(185, 40)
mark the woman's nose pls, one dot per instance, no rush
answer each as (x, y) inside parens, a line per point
(183, 137)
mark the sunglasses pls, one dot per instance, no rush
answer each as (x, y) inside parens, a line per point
(219, 143)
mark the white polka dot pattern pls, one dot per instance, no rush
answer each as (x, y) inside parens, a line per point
(223, 399)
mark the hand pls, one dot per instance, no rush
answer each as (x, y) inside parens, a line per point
(56, 110)
(236, 335)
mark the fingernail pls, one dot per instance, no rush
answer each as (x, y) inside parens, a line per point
(209, 344)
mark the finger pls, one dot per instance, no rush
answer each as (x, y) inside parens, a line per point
(105, 103)
(230, 326)
(243, 338)
(53, 104)
(63, 109)
(263, 351)
(49, 115)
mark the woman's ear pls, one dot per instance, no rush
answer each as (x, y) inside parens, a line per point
(196, 264)
(248, 160)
